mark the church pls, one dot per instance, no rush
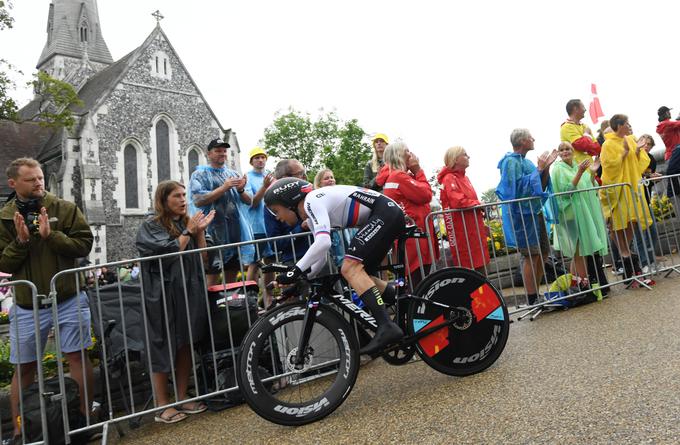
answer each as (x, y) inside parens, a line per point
(143, 120)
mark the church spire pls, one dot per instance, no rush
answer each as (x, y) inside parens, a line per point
(74, 38)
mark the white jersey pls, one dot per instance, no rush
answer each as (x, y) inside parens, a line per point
(336, 206)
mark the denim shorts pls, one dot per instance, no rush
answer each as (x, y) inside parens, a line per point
(74, 328)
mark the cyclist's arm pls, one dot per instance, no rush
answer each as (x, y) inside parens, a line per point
(317, 254)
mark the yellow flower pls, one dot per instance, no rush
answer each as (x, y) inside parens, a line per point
(497, 245)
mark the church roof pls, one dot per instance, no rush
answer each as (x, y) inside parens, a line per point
(66, 17)
(20, 140)
(98, 88)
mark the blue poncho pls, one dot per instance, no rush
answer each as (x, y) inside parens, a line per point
(521, 179)
(231, 223)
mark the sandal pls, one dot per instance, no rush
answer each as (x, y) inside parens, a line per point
(177, 417)
(198, 407)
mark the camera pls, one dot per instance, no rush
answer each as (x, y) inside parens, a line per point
(30, 210)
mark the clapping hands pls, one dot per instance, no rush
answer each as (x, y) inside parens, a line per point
(199, 222)
(546, 159)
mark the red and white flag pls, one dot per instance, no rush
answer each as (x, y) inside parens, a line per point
(595, 109)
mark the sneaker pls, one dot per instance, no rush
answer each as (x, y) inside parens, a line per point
(618, 271)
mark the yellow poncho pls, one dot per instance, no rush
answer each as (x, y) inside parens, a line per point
(618, 203)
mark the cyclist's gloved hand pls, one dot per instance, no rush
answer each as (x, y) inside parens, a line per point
(291, 276)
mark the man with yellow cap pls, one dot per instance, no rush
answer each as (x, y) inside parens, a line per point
(373, 166)
(259, 180)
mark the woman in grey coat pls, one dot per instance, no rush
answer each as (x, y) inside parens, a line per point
(376, 162)
(175, 318)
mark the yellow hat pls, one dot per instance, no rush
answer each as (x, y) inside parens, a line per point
(380, 136)
(256, 152)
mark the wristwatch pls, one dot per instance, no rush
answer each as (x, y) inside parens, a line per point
(185, 232)
(240, 191)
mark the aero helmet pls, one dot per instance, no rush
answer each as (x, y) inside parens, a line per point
(287, 192)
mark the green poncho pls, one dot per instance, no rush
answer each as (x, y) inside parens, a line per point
(581, 224)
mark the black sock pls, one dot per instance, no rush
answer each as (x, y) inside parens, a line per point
(374, 301)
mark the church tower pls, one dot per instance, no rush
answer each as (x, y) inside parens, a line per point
(75, 49)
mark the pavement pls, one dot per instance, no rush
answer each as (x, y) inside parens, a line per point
(605, 373)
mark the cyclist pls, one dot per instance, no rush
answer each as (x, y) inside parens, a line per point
(341, 206)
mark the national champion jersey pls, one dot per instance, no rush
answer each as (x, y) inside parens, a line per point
(336, 206)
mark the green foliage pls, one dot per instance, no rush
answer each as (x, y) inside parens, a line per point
(662, 207)
(8, 107)
(325, 141)
(6, 20)
(56, 99)
(496, 239)
(490, 196)
(6, 368)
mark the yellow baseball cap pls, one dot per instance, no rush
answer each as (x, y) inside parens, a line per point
(256, 152)
(380, 136)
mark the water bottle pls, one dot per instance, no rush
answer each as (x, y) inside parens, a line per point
(357, 300)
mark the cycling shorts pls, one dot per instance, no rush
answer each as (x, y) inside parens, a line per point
(372, 242)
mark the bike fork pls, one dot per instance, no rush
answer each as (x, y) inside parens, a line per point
(307, 325)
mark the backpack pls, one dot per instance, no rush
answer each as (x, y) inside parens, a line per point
(228, 309)
(31, 420)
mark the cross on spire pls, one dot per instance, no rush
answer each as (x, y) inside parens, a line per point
(157, 14)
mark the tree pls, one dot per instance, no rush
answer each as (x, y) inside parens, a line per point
(56, 98)
(326, 141)
(490, 196)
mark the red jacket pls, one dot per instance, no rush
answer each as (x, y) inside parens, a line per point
(670, 133)
(413, 194)
(466, 230)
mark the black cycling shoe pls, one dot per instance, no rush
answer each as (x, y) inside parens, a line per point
(387, 333)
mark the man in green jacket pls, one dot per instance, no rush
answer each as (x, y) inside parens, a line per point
(41, 235)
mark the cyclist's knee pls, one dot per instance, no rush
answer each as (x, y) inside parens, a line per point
(351, 267)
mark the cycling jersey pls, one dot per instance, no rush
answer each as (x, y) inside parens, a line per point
(344, 206)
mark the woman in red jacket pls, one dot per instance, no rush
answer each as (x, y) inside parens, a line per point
(466, 230)
(404, 181)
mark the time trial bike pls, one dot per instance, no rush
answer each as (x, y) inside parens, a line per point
(300, 360)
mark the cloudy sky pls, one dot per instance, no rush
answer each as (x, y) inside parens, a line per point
(433, 73)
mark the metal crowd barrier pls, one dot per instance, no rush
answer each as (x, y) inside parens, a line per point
(39, 365)
(505, 260)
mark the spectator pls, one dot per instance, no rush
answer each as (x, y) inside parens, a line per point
(524, 222)
(670, 134)
(404, 181)
(581, 231)
(466, 230)
(579, 135)
(106, 276)
(41, 235)
(258, 181)
(604, 126)
(373, 166)
(325, 178)
(624, 161)
(167, 285)
(215, 187)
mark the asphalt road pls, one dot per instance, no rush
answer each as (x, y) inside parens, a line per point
(607, 373)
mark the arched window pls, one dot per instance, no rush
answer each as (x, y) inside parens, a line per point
(131, 177)
(163, 150)
(52, 184)
(193, 161)
(83, 33)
